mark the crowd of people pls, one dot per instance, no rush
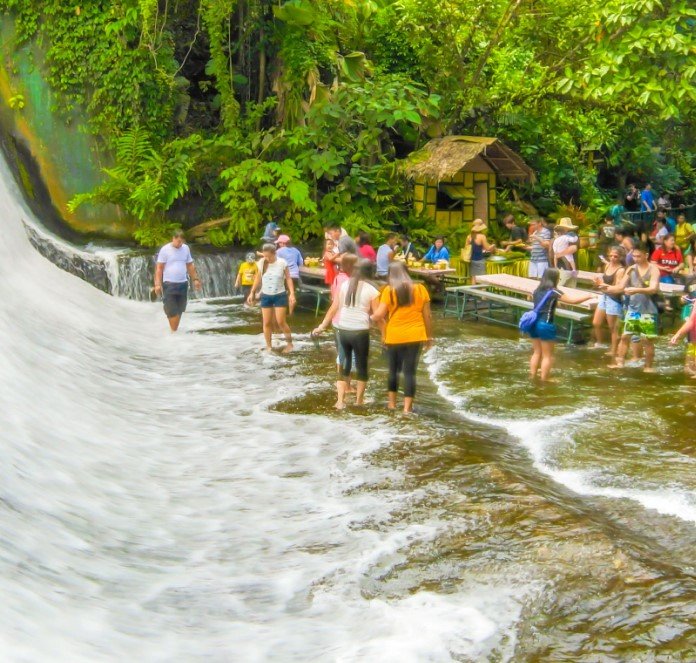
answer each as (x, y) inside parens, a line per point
(633, 260)
(371, 287)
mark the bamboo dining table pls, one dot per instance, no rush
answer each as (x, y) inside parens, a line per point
(431, 272)
(525, 286)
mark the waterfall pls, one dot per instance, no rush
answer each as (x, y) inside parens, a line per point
(130, 273)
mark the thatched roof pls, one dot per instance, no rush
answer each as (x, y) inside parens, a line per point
(442, 158)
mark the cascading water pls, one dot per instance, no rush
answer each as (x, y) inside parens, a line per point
(130, 273)
(153, 508)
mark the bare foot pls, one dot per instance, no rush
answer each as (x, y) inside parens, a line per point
(267, 350)
(609, 354)
(287, 349)
(615, 365)
(551, 381)
(340, 406)
(648, 369)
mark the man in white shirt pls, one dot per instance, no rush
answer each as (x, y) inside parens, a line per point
(564, 247)
(174, 266)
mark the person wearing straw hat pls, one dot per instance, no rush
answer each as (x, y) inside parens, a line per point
(564, 248)
(479, 243)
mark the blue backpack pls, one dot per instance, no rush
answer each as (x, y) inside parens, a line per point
(529, 319)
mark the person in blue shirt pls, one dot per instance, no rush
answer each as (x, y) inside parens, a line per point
(293, 258)
(271, 232)
(438, 251)
(669, 221)
(647, 199)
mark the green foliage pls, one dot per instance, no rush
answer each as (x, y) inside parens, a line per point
(258, 191)
(581, 88)
(217, 16)
(103, 56)
(146, 179)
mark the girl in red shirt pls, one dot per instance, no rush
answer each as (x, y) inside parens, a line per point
(668, 258)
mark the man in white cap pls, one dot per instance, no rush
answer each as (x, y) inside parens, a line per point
(565, 246)
(293, 258)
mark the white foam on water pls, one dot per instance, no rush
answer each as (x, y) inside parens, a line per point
(544, 438)
(153, 507)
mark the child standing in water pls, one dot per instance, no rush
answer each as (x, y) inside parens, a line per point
(246, 274)
(543, 333)
(330, 271)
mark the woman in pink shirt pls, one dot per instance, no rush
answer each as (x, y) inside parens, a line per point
(365, 249)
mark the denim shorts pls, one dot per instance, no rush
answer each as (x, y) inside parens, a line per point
(544, 331)
(610, 306)
(274, 301)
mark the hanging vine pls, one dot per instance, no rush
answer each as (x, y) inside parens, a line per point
(217, 17)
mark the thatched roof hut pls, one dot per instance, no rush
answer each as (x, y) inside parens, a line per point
(455, 178)
(442, 158)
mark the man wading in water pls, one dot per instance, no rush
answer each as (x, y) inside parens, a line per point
(174, 266)
(641, 282)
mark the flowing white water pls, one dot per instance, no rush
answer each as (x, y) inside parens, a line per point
(545, 439)
(152, 508)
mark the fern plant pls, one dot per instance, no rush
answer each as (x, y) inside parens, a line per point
(146, 180)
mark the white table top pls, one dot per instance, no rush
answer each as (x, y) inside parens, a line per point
(527, 286)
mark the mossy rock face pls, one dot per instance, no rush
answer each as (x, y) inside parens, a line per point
(66, 158)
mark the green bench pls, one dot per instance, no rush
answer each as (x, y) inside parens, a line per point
(320, 293)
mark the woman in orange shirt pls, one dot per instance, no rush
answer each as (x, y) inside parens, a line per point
(406, 305)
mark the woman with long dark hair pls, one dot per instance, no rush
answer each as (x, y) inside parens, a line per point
(406, 305)
(543, 333)
(356, 299)
(610, 309)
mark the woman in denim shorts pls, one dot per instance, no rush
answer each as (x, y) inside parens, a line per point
(610, 309)
(277, 293)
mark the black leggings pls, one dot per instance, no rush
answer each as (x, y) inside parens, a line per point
(403, 357)
(358, 342)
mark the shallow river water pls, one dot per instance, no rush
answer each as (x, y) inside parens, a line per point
(185, 498)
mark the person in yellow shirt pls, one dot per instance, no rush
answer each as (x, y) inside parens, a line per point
(246, 274)
(406, 307)
(683, 232)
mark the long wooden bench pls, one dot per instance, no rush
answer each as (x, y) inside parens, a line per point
(569, 321)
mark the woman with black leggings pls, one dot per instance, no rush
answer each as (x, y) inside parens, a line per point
(408, 328)
(356, 299)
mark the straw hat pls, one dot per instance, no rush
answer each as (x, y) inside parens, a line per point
(566, 223)
(479, 226)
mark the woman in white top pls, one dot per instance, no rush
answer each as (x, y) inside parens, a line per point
(277, 291)
(357, 299)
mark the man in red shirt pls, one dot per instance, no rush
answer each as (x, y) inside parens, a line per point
(668, 258)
